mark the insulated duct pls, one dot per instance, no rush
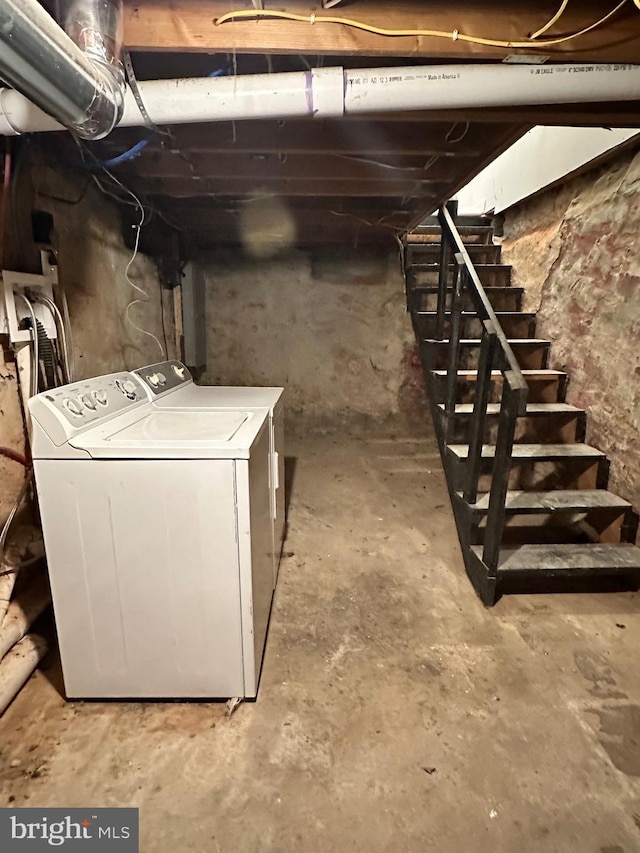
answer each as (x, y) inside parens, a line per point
(72, 74)
(335, 92)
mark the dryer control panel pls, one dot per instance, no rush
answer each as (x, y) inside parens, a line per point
(164, 376)
(63, 412)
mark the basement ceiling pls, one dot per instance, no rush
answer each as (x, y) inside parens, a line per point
(357, 181)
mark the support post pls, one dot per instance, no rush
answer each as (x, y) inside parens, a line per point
(479, 417)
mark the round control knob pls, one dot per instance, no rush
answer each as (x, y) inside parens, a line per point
(178, 369)
(130, 388)
(162, 379)
(153, 380)
(127, 387)
(100, 397)
(72, 406)
(88, 401)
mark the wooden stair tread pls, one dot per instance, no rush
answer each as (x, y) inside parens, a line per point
(490, 288)
(560, 559)
(462, 229)
(532, 409)
(476, 342)
(419, 240)
(558, 499)
(434, 267)
(432, 315)
(533, 451)
(533, 373)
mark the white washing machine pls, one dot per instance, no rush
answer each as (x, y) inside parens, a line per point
(170, 386)
(158, 534)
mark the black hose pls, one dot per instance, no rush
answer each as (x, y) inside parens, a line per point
(47, 354)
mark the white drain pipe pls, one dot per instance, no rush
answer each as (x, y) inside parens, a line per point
(18, 665)
(335, 92)
(22, 612)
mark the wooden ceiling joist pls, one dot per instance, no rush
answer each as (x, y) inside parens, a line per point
(355, 233)
(197, 207)
(163, 25)
(276, 167)
(612, 114)
(319, 187)
(316, 137)
(311, 218)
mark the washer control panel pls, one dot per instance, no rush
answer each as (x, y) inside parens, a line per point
(164, 376)
(83, 403)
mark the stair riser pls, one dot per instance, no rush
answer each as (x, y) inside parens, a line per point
(537, 429)
(528, 356)
(601, 526)
(544, 390)
(499, 277)
(469, 233)
(513, 327)
(506, 300)
(535, 475)
(424, 253)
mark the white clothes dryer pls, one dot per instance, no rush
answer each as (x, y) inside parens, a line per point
(170, 386)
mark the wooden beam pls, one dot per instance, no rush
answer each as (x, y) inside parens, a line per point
(313, 137)
(276, 167)
(164, 25)
(200, 207)
(345, 235)
(313, 218)
(614, 114)
(180, 188)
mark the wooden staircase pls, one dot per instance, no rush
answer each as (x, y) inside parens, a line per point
(529, 496)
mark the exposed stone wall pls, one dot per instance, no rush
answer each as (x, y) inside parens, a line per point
(11, 432)
(92, 260)
(576, 249)
(330, 327)
(92, 264)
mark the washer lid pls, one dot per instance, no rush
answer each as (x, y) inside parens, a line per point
(220, 397)
(180, 426)
(176, 434)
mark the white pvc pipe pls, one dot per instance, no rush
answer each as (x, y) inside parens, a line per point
(334, 92)
(18, 665)
(315, 93)
(28, 605)
(436, 87)
(7, 583)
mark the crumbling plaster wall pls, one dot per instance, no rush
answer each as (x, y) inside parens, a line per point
(576, 251)
(329, 327)
(92, 259)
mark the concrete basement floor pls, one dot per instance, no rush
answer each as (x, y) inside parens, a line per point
(395, 712)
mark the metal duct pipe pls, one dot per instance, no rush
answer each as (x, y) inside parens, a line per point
(335, 92)
(73, 76)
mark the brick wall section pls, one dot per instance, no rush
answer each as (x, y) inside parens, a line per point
(577, 251)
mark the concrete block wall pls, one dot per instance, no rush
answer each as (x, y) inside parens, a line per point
(576, 251)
